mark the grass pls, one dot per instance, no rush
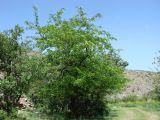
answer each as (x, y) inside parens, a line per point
(28, 115)
(138, 110)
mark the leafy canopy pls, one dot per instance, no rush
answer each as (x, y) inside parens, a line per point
(82, 64)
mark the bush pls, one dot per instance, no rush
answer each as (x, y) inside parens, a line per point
(130, 98)
(157, 77)
(157, 92)
(3, 115)
(13, 66)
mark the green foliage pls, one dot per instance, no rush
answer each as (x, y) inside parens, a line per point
(40, 75)
(130, 98)
(157, 78)
(3, 115)
(13, 66)
(80, 65)
(157, 92)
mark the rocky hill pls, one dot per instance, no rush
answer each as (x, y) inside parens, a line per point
(140, 83)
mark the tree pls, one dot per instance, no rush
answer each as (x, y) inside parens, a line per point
(157, 78)
(12, 65)
(82, 64)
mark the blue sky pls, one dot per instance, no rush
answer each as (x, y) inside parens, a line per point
(135, 23)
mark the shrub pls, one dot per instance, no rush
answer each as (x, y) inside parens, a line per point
(3, 115)
(13, 66)
(130, 98)
(157, 77)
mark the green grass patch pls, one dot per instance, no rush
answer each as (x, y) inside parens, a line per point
(134, 110)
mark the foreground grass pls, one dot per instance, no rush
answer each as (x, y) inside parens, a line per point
(135, 111)
(119, 111)
(28, 115)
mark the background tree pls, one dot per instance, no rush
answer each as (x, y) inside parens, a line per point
(157, 78)
(82, 66)
(14, 68)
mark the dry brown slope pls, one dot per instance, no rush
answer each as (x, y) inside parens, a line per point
(140, 83)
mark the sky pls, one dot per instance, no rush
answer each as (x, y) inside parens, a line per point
(135, 23)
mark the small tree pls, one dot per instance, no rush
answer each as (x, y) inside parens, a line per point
(83, 66)
(12, 59)
(157, 77)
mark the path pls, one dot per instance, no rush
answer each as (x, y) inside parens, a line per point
(125, 113)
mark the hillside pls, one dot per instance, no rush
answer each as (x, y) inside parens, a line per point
(140, 83)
